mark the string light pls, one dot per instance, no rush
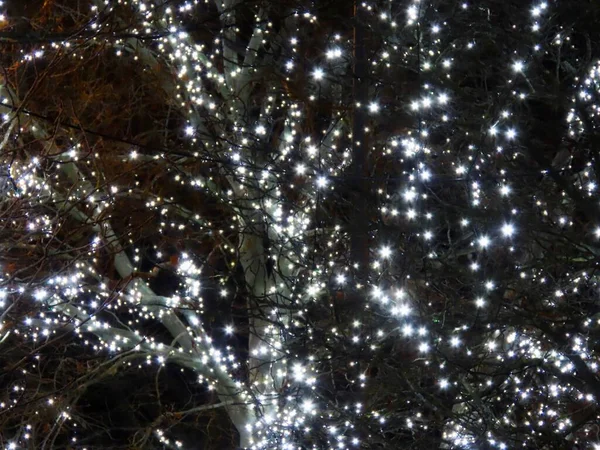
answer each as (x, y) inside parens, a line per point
(454, 175)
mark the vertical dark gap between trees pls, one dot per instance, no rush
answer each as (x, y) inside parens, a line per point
(359, 251)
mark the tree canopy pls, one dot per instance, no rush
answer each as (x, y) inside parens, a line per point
(299, 224)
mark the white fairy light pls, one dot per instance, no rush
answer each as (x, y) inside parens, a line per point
(508, 229)
(484, 241)
(518, 66)
(318, 73)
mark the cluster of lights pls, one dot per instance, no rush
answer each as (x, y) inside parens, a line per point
(283, 397)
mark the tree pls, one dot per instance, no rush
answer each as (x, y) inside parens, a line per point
(299, 224)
